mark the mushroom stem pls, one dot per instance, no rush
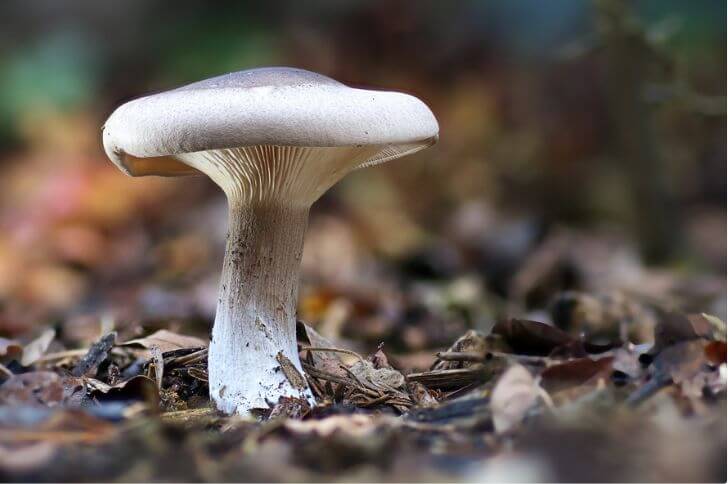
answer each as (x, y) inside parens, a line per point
(253, 358)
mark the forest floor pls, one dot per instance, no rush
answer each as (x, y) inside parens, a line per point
(522, 400)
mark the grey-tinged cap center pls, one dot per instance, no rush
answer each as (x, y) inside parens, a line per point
(263, 77)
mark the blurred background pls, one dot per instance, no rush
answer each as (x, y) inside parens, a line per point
(582, 148)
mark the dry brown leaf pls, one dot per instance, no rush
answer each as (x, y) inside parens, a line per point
(40, 388)
(139, 387)
(166, 341)
(575, 372)
(36, 348)
(327, 361)
(534, 338)
(380, 378)
(708, 326)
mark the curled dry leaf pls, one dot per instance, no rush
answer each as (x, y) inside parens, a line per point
(420, 395)
(97, 354)
(166, 341)
(290, 407)
(513, 396)
(681, 361)
(36, 348)
(708, 326)
(675, 327)
(575, 372)
(137, 388)
(532, 337)
(472, 343)
(327, 361)
(380, 378)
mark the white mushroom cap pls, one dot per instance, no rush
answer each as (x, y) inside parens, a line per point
(276, 106)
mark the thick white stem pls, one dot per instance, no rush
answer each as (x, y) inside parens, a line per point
(253, 358)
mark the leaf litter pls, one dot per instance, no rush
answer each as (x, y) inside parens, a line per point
(142, 405)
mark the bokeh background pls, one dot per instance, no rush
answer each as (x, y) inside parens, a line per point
(582, 147)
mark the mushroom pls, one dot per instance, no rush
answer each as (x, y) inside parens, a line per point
(274, 139)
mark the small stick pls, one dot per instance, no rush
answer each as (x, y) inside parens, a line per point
(191, 358)
(333, 350)
(460, 356)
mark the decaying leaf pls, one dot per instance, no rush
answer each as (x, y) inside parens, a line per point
(166, 341)
(97, 354)
(290, 371)
(575, 372)
(40, 388)
(289, 407)
(708, 326)
(673, 327)
(10, 350)
(139, 388)
(385, 379)
(327, 361)
(472, 342)
(533, 338)
(513, 396)
(36, 348)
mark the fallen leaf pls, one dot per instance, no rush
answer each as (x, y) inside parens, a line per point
(380, 378)
(166, 341)
(472, 341)
(673, 327)
(708, 326)
(137, 388)
(96, 354)
(289, 407)
(36, 348)
(533, 338)
(40, 388)
(513, 396)
(575, 372)
(681, 361)
(421, 395)
(10, 350)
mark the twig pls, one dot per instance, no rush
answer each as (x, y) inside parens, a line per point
(460, 356)
(449, 378)
(333, 350)
(191, 358)
(521, 358)
(323, 375)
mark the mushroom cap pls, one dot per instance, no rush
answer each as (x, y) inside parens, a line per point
(278, 106)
